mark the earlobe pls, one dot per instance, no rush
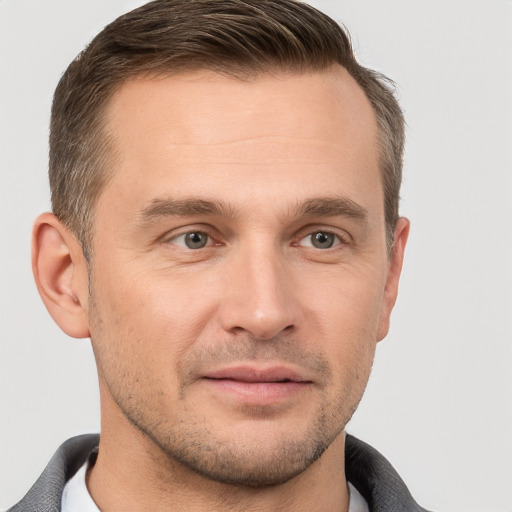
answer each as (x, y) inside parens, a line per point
(393, 277)
(60, 272)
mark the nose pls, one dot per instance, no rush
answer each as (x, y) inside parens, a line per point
(258, 296)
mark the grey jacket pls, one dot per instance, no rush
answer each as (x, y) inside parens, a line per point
(371, 474)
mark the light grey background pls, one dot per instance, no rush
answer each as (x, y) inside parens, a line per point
(439, 401)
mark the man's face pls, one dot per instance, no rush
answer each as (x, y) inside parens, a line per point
(239, 268)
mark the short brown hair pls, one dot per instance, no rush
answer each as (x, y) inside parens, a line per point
(240, 38)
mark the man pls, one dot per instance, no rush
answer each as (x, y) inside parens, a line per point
(225, 228)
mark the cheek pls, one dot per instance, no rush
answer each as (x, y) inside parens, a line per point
(347, 314)
(141, 329)
(347, 302)
(161, 309)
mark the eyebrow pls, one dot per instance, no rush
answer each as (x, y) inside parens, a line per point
(168, 207)
(331, 207)
(336, 206)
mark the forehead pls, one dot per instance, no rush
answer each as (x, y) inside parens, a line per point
(192, 101)
(280, 136)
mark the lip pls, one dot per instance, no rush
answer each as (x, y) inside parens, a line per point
(250, 374)
(257, 386)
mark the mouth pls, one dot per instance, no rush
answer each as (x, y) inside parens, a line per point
(257, 386)
(251, 374)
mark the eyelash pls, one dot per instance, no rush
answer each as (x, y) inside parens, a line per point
(341, 239)
(210, 239)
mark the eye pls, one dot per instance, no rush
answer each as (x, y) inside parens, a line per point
(192, 240)
(321, 240)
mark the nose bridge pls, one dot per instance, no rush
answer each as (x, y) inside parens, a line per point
(259, 298)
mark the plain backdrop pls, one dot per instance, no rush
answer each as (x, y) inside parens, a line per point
(439, 400)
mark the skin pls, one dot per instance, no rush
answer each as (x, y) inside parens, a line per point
(190, 342)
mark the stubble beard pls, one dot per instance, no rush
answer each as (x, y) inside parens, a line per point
(254, 463)
(199, 449)
(194, 445)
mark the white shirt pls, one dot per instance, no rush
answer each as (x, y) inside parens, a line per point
(357, 503)
(76, 497)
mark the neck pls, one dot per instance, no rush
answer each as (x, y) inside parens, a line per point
(132, 474)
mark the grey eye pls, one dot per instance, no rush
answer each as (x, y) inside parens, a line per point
(323, 240)
(195, 240)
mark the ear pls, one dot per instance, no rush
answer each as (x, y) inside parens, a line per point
(61, 275)
(394, 270)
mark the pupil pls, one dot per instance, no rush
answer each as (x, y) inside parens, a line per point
(323, 240)
(195, 240)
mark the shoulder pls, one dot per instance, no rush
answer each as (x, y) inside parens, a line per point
(376, 479)
(46, 493)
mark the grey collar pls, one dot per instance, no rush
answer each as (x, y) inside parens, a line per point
(371, 474)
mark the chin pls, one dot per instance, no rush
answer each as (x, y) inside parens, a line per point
(251, 458)
(252, 467)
